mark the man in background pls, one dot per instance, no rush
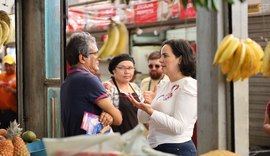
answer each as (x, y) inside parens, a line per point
(155, 72)
(8, 98)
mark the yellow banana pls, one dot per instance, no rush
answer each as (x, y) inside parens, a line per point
(113, 39)
(11, 35)
(229, 50)
(122, 45)
(103, 47)
(4, 17)
(223, 44)
(257, 53)
(1, 33)
(266, 61)
(247, 63)
(5, 32)
(237, 76)
(256, 47)
(237, 60)
(225, 66)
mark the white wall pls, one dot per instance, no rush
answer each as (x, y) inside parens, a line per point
(7, 6)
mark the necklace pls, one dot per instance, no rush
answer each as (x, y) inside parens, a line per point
(150, 82)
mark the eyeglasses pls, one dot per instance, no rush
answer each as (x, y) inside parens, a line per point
(93, 53)
(154, 65)
(125, 68)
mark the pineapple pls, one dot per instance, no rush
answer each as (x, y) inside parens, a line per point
(6, 147)
(14, 134)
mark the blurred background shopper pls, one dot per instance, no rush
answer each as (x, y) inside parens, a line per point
(8, 90)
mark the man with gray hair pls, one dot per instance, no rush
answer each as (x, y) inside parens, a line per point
(82, 91)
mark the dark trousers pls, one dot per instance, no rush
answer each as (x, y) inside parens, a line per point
(179, 149)
(6, 116)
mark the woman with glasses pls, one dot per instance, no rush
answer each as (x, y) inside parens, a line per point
(173, 112)
(122, 68)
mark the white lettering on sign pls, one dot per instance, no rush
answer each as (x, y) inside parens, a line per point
(142, 12)
(149, 5)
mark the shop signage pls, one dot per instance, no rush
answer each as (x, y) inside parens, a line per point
(97, 17)
(189, 12)
(146, 12)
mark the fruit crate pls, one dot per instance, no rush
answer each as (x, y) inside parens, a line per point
(37, 148)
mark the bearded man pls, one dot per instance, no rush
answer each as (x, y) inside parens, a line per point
(155, 73)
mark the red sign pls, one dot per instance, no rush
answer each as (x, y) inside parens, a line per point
(189, 12)
(175, 9)
(75, 20)
(106, 12)
(146, 12)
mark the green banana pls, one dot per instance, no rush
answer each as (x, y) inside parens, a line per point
(215, 6)
(195, 4)
(185, 2)
(230, 1)
(202, 2)
(209, 5)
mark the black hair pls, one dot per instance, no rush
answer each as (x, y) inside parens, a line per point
(78, 44)
(182, 48)
(117, 59)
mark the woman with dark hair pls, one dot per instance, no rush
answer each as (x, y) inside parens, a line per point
(122, 68)
(173, 111)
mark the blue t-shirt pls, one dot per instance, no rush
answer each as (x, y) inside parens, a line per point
(79, 93)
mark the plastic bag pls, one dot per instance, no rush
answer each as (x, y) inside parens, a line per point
(132, 142)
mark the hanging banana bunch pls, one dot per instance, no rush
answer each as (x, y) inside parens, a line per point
(117, 41)
(110, 44)
(5, 26)
(239, 59)
(122, 46)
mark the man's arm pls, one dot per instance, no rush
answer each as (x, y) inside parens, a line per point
(107, 106)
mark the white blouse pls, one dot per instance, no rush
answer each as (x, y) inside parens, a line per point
(175, 112)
